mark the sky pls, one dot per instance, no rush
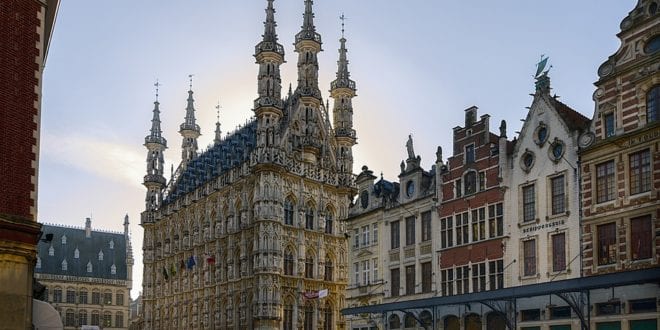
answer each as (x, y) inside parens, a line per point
(417, 65)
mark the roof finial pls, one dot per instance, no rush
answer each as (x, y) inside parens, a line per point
(342, 18)
(218, 133)
(157, 84)
(190, 76)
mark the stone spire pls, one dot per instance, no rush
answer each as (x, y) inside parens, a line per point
(342, 90)
(155, 143)
(126, 223)
(308, 45)
(268, 105)
(189, 130)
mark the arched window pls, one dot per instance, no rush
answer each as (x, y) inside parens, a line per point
(327, 318)
(288, 317)
(76, 253)
(89, 266)
(107, 319)
(288, 263)
(70, 319)
(95, 318)
(329, 268)
(82, 317)
(309, 267)
(113, 269)
(63, 239)
(100, 255)
(111, 244)
(652, 100)
(394, 322)
(288, 212)
(328, 221)
(119, 320)
(309, 217)
(64, 265)
(309, 317)
(51, 251)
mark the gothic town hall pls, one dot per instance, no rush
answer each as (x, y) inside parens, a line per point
(248, 234)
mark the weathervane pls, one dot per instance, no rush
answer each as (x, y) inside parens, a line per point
(540, 66)
(157, 84)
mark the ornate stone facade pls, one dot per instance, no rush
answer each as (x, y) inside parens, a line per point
(250, 233)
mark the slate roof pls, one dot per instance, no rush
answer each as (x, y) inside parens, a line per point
(573, 119)
(231, 152)
(88, 252)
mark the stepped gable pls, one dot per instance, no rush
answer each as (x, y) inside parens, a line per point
(218, 159)
(88, 248)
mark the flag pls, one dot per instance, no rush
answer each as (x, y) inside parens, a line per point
(310, 294)
(210, 260)
(191, 262)
(165, 273)
(323, 293)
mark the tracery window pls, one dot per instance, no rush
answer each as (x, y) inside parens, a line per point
(288, 212)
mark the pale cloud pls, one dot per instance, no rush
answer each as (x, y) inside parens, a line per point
(119, 162)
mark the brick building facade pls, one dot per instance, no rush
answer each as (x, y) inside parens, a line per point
(25, 29)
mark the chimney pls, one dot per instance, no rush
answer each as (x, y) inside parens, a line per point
(88, 228)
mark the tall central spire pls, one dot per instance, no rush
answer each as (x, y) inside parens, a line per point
(308, 45)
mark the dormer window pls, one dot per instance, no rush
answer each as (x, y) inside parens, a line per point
(113, 269)
(112, 244)
(63, 239)
(38, 262)
(89, 266)
(100, 255)
(51, 251)
(64, 265)
(76, 253)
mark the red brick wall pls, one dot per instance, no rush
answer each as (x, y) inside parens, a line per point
(18, 72)
(476, 252)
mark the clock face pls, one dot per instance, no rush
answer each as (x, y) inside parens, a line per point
(410, 188)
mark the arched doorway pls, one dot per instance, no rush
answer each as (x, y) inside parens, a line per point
(426, 319)
(495, 321)
(451, 322)
(472, 322)
(394, 322)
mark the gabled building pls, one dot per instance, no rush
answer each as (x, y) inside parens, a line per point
(87, 274)
(620, 158)
(543, 191)
(473, 231)
(249, 234)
